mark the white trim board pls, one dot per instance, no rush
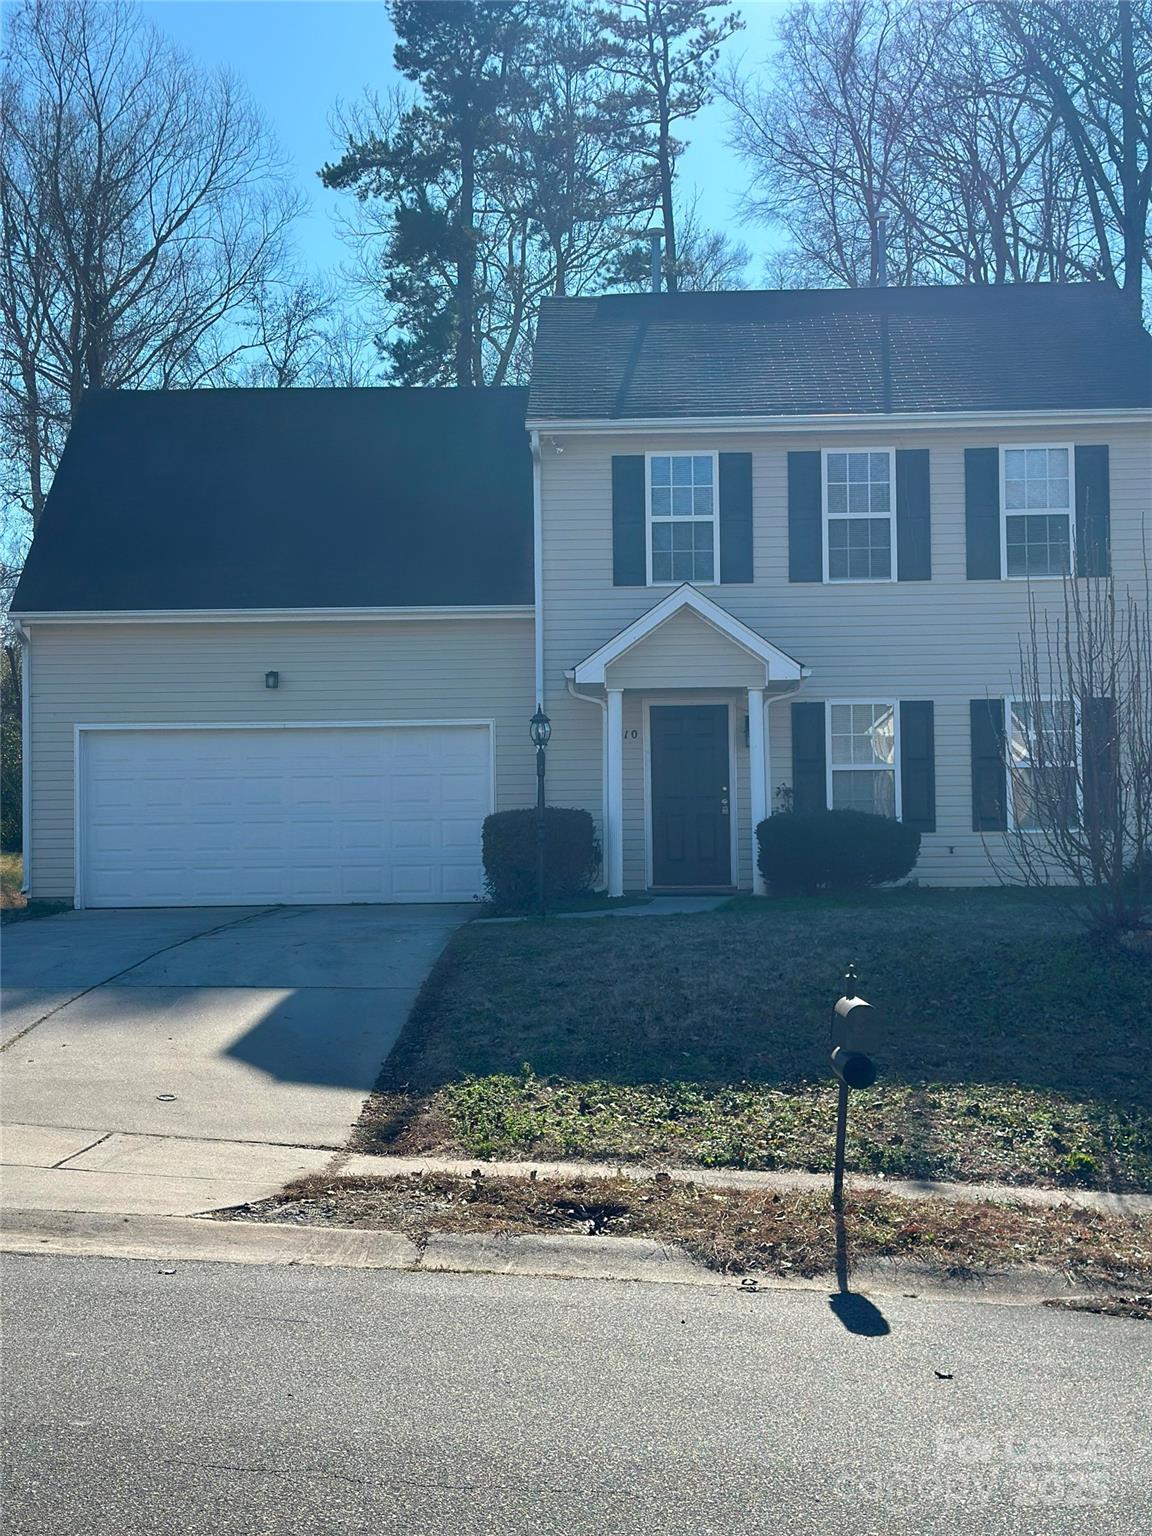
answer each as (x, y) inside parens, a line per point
(25, 638)
(778, 665)
(832, 422)
(537, 569)
(270, 615)
(80, 730)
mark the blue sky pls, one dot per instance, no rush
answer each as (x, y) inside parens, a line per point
(299, 57)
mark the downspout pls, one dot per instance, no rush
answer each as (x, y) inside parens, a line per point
(25, 638)
(776, 698)
(537, 568)
(603, 703)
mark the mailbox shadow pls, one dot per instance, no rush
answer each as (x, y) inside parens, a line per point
(854, 1311)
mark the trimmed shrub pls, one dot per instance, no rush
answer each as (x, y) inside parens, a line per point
(806, 851)
(571, 856)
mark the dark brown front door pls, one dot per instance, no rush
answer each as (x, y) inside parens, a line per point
(691, 804)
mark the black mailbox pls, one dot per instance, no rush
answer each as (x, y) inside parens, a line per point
(852, 1022)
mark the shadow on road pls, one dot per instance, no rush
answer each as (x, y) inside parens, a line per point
(858, 1314)
(855, 1312)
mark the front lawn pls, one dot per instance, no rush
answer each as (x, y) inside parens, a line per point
(1011, 1047)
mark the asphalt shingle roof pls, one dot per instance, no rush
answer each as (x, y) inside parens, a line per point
(294, 498)
(1025, 346)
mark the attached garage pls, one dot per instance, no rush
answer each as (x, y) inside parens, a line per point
(216, 815)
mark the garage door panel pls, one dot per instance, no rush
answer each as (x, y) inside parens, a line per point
(240, 815)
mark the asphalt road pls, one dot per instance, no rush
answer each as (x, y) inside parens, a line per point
(247, 1401)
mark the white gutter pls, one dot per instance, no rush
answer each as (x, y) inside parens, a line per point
(25, 638)
(271, 615)
(538, 567)
(843, 422)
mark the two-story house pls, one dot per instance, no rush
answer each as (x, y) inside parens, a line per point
(748, 549)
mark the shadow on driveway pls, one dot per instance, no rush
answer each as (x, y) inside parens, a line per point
(273, 1028)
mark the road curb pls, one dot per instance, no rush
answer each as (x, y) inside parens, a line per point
(194, 1239)
(100, 1235)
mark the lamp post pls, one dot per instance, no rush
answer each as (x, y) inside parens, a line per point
(540, 728)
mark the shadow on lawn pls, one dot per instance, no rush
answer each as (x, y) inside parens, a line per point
(1010, 1045)
(740, 998)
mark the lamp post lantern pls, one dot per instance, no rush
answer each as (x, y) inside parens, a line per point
(540, 729)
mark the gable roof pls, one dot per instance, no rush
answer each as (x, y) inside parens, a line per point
(296, 498)
(1019, 346)
(778, 665)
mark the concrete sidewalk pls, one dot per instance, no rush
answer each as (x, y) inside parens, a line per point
(52, 1169)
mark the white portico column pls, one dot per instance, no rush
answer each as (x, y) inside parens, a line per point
(614, 794)
(758, 775)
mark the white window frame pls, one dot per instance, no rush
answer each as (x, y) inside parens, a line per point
(894, 706)
(1006, 512)
(682, 453)
(1078, 762)
(825, 519)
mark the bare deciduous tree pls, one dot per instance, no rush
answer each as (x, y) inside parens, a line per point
(826, 134)
(1078, 750)
(143, 208)
(300, 336)
(1003, 142)
(1091, 61)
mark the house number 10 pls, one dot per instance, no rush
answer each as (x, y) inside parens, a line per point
(631, 735)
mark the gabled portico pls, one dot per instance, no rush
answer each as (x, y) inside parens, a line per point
(691, 662)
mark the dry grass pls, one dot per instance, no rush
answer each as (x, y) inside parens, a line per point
(14, 905)
(1139, 1308)
(1011, 1047)
(11, 874)
(733, 1231)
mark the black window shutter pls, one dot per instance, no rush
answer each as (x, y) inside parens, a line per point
(735, 517)
(989, 767)
(918, 765)
(982, 512)
(1100, 752)
(1093, 514)
(629, 542)
(809, 763)
(805, 518)
(913, 515)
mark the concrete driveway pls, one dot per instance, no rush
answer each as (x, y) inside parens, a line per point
(170, 1043)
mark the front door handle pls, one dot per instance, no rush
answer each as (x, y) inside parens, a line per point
(724, 801)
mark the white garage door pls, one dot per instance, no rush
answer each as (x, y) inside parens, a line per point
(210, 817)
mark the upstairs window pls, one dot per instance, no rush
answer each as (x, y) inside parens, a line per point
(1036, 501)
(683, 528)
(862, 758)
(859, 515)
(1042, 764)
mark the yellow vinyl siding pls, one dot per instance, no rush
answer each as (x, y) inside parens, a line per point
(170, 673)
(949, 639)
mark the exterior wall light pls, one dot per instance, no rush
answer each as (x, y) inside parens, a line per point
(271, 679)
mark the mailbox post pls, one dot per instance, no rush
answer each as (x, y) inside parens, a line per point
(852, 1021)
